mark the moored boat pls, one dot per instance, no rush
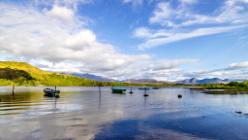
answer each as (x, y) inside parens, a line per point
(155, 87)
(51, 92)
(144, 88)
(118, 90)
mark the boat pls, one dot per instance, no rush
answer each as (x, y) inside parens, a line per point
(155, 87)
(118, 90)
(51, 92)
(146, 95)
(131, 90)
(144, 88)
(179, 96)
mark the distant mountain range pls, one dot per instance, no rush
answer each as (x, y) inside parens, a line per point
(21, 73)
(104, 79)
(141, 81)
(93, 77)
(194, 81)
(145, 81)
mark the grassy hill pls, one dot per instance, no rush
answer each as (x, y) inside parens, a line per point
(22, 73)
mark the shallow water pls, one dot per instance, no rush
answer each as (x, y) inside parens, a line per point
(84, 113)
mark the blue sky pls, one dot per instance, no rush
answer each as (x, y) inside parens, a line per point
(122, 39)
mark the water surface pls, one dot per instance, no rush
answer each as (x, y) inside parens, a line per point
(82, 113)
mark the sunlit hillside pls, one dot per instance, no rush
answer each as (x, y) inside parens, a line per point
(21, 73)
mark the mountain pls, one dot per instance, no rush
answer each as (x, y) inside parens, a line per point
(212, 80)
(93, 77)
(141, 81)
(194, 81)
(22, 73)
(148, 81)
(191, 81)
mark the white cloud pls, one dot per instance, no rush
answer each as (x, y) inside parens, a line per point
(43, 40)
(67, 3)
(189, 1)
(83, 38)
(173, 37)
(134, 2)
(146, 33)
(153, 69)
(38, 35)
(239, 65)
(62, 13)
(162, 13)
(233, 71)
(179, 22)
(141, 32)
(231, 12)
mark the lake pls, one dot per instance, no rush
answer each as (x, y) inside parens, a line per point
(82, 113)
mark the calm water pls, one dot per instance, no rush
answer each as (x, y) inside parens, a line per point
(84, 113)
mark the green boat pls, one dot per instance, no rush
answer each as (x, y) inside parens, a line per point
(119, 90)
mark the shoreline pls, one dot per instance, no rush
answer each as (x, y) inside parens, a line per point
(213, 91)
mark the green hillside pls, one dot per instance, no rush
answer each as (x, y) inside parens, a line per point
(24, 74)
(21, 73)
